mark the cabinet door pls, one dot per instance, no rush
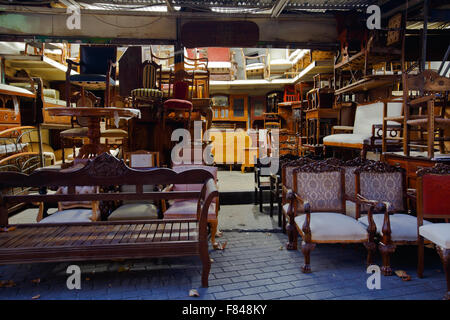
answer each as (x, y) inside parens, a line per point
(239, 107)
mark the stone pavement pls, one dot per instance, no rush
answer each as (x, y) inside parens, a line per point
(253, 265)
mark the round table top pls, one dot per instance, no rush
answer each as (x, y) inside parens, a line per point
(93, 112)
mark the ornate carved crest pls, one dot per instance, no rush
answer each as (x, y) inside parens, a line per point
(297, 162)
(357, 162)
(334, 161)
(106, 165)
(318, 166)
(379, 167)
(439, 168)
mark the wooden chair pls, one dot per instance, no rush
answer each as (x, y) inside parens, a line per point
(381, 182)
(97, 70)
(181, 98)
(433, 192)
(71, 211)
(320, 190)
(198, 69)
(261, 182)
(258, 67)
(184, 209)
(151, 91)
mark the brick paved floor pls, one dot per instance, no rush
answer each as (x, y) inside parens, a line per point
(254, 265)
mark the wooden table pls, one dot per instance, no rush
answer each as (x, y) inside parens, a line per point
(94, 116)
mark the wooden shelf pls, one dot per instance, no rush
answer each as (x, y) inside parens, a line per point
(376, 56)
(368, 83)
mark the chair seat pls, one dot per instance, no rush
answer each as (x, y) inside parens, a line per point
(188, 209)
(146, 93)
(255, 66)
(403, 226)
(333, 227)
(178, 104)
(438, 233)
(74, 133)
(114, 133)
(91, 78)
(346, 139)
(70, 215)
(134, 211)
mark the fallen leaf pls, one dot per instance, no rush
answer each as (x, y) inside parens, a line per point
(219, 234)
(211, 260)
(38, 280)
(281, 248)
(193, 293)
(36, 297)
(403, 275)
(123, 269)
(219, 246)
(5, 229)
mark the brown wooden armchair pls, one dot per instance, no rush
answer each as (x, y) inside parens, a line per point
(317, 211)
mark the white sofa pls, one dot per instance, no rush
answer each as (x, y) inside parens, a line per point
(366, 117)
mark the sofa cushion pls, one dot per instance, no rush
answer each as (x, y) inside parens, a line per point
(188, 209)
(333, 227)
(134, 211)
(346, 139)
(438, 233)
(403, 226)
(70, 215)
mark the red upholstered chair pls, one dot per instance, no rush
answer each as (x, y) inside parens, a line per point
(180, 98)
(433, 192)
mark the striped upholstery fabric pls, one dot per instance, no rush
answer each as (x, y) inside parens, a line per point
(149, 76)
(147, 93)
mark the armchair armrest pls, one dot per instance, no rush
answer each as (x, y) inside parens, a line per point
(163, 201)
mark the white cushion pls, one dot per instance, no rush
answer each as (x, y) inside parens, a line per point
(280, 64)
(439, 233)
(71, 215)
(255, 66)
(403, 226)
(333, 227)
(134, 211)
(348, 138)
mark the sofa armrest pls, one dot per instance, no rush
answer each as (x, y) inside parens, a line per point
(341, 129)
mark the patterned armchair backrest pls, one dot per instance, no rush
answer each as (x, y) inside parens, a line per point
(287, 174)
(149, 74)
(350, 186)
(323, 190)
(383, 186)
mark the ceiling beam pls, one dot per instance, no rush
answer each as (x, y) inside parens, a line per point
(278, 7)
(169, 5)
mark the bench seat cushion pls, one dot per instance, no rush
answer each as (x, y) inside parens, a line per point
(70, 215)
(333, 227)
(339, 139)
(403, 226)
(134, 211)
(438, 233)
(187, 209)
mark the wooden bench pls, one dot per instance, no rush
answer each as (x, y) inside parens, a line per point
(104, 240)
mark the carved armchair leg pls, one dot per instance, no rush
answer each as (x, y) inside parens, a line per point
(306, 250)
(371, 249)
(445, 257)
(292, 236)
(213, 231)
(386, 251)
(420, 257)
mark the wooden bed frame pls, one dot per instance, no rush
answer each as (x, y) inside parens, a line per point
(55, 242)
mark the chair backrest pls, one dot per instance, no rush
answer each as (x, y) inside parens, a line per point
(181, 90)
(382, 182)
(350, 166)
(433, 192)
(322, 186)
(150, 75)
(369, 114)
(142, 159)
(95, 59)
(287, 171)
(192, 187)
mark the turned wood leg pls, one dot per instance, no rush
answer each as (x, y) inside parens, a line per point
(445, 257)
(260, 200)
(213, 231)
(371, 249)
(206, 262)
(271, 204)
(256, 196)
(420, 257)
(292, 236)
(386, 251)
(306, 250)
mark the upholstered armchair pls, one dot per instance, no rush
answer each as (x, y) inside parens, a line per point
(71, 211)
(363, 135)
(151, 90)
(317, 212)
(97, 70)
(433, 192)
(287, 176)
(187, 208)
(381, 182)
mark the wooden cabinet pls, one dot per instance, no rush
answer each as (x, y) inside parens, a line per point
(232, 110)
(56, 120)
(257, 108)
